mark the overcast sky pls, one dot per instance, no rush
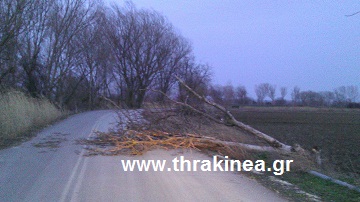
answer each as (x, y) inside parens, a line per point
(311, 44)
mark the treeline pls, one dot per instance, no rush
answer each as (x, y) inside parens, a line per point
(267, 94)
(75, 52)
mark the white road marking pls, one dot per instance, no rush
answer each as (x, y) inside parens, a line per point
(66, 190)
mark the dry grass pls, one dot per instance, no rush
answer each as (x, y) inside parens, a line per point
(19, 114)
(136, 143)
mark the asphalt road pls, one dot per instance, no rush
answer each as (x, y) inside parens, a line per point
(51, 167)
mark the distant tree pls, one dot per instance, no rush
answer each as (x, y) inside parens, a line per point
(261, 92)
(340, 95)
(216, 93)
(281, 100)
(352, 93)
(271, 92)
(229, 94)
(197, 77)
(241, 94)
(295, 95)
(310, 98)
(328, 97)
(346, 94)
(283, 92)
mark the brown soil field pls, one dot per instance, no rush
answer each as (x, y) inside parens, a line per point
(335, 131)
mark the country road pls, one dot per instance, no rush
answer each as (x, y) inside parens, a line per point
(51, 167)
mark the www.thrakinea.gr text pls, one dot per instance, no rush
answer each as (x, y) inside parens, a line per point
(178, 164)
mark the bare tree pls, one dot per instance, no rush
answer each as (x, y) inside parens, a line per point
(346, 94)
(198, 77)
(229, 94)
(142, 44)
(352, 93)
(216, 93)
(39, 44)
(328, 97)
(172, 64)
(62, 48)
(261, 91)
(95, 58)
(295, 95)
(53, 56)
(271, 92)
(32, 41)
(310, 98)
(12, 23)
(340, 95)
(283, 92)
(77, 17)
(241, 94)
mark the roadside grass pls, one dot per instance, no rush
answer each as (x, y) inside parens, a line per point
(300, 186)
(21, 114)
(325, 189)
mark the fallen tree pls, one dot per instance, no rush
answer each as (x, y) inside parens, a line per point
(275, 145)
(231, 119)
(139, 140)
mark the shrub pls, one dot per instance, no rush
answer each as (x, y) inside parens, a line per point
(20, 113)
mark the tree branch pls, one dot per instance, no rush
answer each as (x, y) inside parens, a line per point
(272, 141)
(352, 14)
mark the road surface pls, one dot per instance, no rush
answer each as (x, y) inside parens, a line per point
(51, 167)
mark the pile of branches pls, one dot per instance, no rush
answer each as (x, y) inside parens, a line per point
(137, 143)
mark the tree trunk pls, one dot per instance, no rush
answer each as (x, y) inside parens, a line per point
(272, 141)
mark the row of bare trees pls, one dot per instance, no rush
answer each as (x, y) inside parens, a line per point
(229, 95)
(44, 54)
(76, 51)
(341, 97)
